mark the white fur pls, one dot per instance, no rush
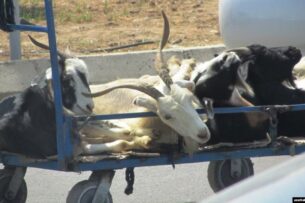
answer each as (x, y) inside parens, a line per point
(175, 110)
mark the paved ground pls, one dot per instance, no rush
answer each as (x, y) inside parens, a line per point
(187, 183)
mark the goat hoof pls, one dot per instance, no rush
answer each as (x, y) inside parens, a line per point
(144, 141)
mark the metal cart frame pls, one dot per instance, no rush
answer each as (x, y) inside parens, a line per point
(65, 160)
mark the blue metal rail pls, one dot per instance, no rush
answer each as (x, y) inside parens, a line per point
(64, 125)
(205, 156)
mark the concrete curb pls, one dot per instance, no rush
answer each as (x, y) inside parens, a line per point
(16, 75)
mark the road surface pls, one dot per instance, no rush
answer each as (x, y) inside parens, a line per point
(159, 184)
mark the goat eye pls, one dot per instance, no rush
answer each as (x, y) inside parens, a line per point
(167, 117)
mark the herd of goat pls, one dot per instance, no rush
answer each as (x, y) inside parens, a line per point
(247, 76)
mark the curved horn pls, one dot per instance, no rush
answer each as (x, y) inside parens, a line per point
(44, 46)
(244, 53)
(160, 65)
(140, 86)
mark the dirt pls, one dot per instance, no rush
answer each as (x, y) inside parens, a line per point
(87, 27)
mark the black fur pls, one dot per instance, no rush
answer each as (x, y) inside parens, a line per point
(215, 83)
(27, 119)
(29, 128)
(270, 68)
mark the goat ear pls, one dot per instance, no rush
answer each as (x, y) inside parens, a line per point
(50, 89)
(243, 69)
(148, 103)
(242, 75)
(68, 51)
(48, 74)
(190, 85)
(237, 100)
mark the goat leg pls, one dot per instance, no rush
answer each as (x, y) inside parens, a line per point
(117, 146)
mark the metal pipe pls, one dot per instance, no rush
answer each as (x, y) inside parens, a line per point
(29, 28)
(56, 85)
(15, 47)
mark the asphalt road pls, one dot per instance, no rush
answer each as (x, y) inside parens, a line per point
(160, 184)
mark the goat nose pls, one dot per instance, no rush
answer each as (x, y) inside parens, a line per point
(90, 107)
(204, 134)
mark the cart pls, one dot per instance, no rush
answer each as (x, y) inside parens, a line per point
(227, 166)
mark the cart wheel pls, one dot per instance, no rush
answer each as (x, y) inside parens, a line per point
(5, 178)
(224, 173)
(84, 191)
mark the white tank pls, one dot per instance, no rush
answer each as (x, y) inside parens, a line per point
(267, 22)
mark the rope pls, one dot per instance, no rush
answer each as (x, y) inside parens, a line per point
(6, 15)
(129, 176)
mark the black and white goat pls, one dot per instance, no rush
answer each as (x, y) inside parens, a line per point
(27, 119)
(271, 78)
(222, 79)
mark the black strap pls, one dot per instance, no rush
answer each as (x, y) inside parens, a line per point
(6, 14)
(129, 175)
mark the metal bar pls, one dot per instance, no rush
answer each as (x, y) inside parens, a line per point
(221, 110)
(197, 157)
(22, 161)
(17, 160)
(15, 47)
(29, 28)
(56, 85)
(68, 146)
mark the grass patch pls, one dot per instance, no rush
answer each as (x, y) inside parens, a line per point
(31, 13)
(32, 10)
(78, 12)
(72, 11)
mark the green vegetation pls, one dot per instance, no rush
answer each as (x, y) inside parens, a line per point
(72, 11)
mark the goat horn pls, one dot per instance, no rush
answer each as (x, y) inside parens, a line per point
(160, 65)
(244, 53)
(140, 86)
(44, 46)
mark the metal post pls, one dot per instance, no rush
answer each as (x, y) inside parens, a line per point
(15, 47)
(56, 86)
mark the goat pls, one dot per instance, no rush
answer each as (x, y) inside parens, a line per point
(170, 100)
(271, 78)
(221, 80)
(27, 122)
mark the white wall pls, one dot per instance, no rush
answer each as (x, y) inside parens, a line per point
(16, 75)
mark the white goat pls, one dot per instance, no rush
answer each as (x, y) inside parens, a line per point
(170, 100)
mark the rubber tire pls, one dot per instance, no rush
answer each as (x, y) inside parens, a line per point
(5, 179)
(219, 175)
(83, 192)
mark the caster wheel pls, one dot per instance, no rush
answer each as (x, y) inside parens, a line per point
(224, 173)
(84, 191)
(5, 178)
